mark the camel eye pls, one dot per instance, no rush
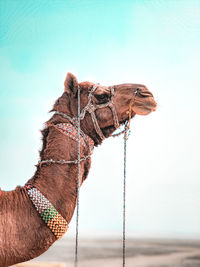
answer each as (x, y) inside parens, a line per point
(102, 98)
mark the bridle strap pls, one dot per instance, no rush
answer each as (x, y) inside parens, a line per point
(91, 108)
(78, 178)
(112, 107)
(115, 117)
(96, 126)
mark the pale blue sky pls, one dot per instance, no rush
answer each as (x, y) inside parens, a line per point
(152, 42)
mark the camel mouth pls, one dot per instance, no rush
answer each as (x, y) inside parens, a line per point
(144, 106)
(153, 105)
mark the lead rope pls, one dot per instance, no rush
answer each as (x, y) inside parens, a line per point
(78, 182)
(126, 134)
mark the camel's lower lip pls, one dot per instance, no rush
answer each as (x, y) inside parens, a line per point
(152, 106)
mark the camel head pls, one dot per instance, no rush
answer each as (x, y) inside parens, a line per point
(111, 105)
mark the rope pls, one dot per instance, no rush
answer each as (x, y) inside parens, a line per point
(126, 132)
(126, 135)
(78, 181)
(124, 195)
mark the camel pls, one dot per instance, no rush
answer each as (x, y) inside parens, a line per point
(26, 231)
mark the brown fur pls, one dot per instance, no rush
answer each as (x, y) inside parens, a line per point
(23, 235)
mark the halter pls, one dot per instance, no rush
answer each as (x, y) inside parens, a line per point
(91, 108)
(80, 137)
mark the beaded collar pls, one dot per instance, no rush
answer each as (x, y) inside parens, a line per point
(57, 224)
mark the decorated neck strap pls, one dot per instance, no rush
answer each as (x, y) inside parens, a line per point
(47, 212)
(69, 130)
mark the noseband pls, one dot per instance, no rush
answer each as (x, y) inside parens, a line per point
(91, 108)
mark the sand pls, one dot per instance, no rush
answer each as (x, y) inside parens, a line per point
(108, 253)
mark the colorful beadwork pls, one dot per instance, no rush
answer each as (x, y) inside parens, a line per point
(69, 130)
(48, 213)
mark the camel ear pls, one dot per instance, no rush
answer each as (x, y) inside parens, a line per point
(71, 84)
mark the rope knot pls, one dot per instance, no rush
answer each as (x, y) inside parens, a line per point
(91, 108)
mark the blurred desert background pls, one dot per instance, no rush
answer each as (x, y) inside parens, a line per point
(108, 253)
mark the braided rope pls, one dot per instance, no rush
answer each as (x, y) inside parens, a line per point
(126, 135)
(124, 198)
(62, 161)
(78, 182)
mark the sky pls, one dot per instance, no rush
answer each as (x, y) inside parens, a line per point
(154, 42)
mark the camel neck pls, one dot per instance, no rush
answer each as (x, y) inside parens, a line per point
(58, 182)
(29, 236)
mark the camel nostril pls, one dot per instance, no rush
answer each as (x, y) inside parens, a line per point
(137, 91)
